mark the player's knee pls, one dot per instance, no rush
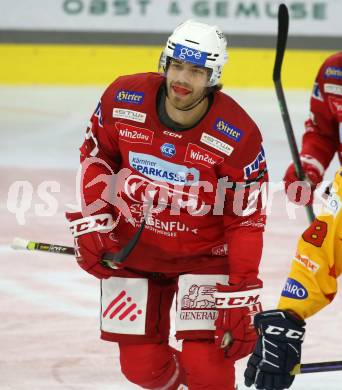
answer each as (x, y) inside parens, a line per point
(150, 366)
(206, 367)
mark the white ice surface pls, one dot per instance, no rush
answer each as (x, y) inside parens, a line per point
(49, 308)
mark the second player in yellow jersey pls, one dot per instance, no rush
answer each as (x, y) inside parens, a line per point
(311, 285)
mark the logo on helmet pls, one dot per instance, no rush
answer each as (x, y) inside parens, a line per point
(220, 34)
(188, 54)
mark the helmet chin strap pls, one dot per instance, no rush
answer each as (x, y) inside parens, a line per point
(192, 105)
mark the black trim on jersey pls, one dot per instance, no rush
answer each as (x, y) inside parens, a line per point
(164, 117)
(248, 183)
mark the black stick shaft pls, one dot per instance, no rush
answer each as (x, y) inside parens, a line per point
(309, 368)
(283, 27)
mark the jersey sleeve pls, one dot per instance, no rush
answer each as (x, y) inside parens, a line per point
(244, 214)
(100, 159)
(312, 281)
(321, 136)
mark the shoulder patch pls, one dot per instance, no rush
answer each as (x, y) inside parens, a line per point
(255, 165)
(316, 93)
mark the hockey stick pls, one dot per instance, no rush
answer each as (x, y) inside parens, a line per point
(109, 259)
(309, 368)
(283, 27)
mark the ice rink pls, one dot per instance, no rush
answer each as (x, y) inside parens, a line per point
(49, 331)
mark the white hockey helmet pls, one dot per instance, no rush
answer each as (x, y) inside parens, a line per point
(199, 44)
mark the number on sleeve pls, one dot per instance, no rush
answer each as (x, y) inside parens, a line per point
(316, 233)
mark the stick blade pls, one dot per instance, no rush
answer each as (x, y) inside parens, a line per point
(19, 243)
(283, 28)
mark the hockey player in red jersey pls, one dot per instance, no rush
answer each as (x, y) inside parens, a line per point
(323, 131)
(174, 141)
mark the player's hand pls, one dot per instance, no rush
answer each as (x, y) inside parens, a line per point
(93, 237)
(277, 352)
(236, 306)
(314, 175)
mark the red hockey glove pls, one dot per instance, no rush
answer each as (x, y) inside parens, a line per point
(313, 171)
(236, 307)
(93, 237)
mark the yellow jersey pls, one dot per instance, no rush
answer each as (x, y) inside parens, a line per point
(311, 283)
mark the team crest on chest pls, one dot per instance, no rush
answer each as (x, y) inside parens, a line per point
(168, 150)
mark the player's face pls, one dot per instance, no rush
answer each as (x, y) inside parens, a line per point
(185, 83)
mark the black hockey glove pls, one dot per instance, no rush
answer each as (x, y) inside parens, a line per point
(277, 352)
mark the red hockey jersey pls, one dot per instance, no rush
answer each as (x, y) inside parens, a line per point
(207, 180)
(323, 131)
